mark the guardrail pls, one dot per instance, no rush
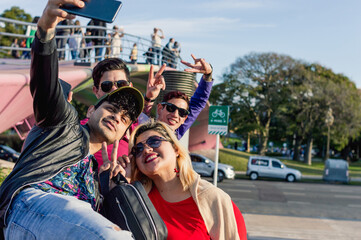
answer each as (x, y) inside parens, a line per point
(88, 52)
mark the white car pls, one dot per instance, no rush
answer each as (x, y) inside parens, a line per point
(205, 167)
(261, 166)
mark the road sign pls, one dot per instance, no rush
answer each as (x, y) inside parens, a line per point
(218, 120)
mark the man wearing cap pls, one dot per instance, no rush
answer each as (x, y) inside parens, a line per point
(108, 75)
(51, 192)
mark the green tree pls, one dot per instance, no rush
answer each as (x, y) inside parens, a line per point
(314, 90)
(15, 13)
(255, 87)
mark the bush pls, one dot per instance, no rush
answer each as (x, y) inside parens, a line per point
(12, 141)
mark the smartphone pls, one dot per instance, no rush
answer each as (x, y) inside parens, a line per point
(103, 10)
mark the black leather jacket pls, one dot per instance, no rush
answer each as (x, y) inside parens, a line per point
(57, 141)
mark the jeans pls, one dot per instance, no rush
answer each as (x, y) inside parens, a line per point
(61, 43)
(35, 214)
(156, 51)
(74, 54)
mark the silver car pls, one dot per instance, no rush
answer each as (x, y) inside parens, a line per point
(261, 166)
(205, 167)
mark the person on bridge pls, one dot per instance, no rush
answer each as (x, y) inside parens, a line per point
(116, 42)
(167, 52)
(98, 37)
(51, 192)
(191, 208)
(134, 54)
(176, 109)
(157, 44)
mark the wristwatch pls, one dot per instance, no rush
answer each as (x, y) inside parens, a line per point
(148, 100)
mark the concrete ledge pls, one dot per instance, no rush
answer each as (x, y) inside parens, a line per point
(6, 164)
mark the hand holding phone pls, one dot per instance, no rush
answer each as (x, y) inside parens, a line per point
(103, 10)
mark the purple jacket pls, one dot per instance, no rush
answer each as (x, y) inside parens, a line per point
(197, 103)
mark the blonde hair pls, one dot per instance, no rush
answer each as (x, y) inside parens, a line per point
(186, 173)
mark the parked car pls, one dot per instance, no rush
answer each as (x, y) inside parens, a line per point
(261, 166)
(336, 170)
(205, 167)
(9, 154)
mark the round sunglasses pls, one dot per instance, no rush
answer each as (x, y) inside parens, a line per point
(106, 86)
(153, 142)
(171, 108)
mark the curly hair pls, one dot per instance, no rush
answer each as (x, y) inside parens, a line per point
(126, 102)
(106, 65)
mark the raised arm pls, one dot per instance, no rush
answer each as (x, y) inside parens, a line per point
(200, 97)
(48, 101)
(154, 85)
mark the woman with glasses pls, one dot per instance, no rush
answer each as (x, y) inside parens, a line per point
(191, 208)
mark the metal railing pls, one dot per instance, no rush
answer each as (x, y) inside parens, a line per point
(88, 52)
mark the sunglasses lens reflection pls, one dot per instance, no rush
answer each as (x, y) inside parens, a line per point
(153, 142)
(122, 83)
(106, 86)
(171, 108)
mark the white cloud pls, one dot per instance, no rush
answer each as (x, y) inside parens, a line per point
(189, 27)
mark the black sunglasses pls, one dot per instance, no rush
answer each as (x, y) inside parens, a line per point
(153, 142)
(171, 108)
(106, 86)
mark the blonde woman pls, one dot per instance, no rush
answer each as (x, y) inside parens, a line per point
(116, 42)
(191, 208)
(134, 54)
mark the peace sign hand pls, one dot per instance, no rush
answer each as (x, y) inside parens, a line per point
(112, 164)
(155, 82)
(199, 66)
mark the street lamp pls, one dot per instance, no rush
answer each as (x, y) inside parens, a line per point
(329, 121)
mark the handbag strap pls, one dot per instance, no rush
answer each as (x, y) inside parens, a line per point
(104, 181)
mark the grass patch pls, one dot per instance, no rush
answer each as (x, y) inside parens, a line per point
(3, 174)
(314, 169)
(237, 159)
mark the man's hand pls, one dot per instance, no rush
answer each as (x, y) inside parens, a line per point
(155, 83)
(52, 13)
(111, 164)
(199, 66)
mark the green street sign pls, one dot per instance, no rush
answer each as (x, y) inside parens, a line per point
(218, 120)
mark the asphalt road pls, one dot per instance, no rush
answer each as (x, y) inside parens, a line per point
(331, 201)
(277, 210)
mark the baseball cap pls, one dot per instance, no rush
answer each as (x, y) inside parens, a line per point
(116, 95)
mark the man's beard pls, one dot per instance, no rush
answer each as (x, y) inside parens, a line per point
(103, 134)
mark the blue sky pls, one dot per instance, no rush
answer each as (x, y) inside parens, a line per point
(323, 31)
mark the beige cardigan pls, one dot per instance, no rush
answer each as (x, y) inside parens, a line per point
(216, 210)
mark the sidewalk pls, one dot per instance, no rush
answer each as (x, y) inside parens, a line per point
(262, 227)
(6, 164)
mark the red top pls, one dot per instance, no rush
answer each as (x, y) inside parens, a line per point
(183, 219)
(122, 148)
